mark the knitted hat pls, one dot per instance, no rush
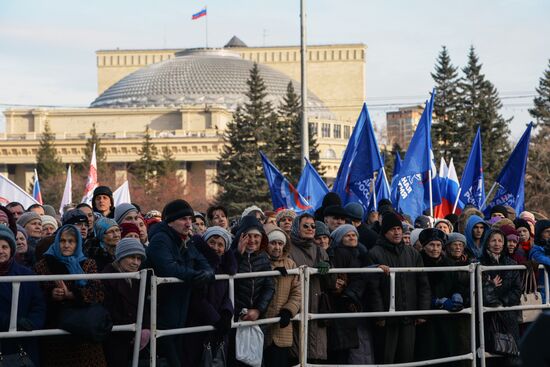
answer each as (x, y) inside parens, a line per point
(414, 235)
(46, 219)
(355, 211)
(122, 210)
(499, 209)
(74, 216)
(7, 235)
(432, 234)
(321, 229)
(277, 235)
(335, 211)
(285, 213)
(447, 222)
(251, 209)
(176, 209)
(218, 231)
(510, 232)
(49, 210)
(199, 215)
(126, 228)
(26, 217)
(338, 234)
(127, 247)
(390, 220)
(22, 230)
(454, 237)
(518, 222)
(422, 221)
(528, 216)
(102, 225)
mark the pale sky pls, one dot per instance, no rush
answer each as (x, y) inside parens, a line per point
(47, 48)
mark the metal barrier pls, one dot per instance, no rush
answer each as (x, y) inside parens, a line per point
(16, 284)
(482, 354)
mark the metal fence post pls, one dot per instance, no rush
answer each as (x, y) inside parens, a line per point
(15, 286)
(153, 342)
(392, 291)
(481, 350)
(304, 314)
(139, 320)
(473, 314)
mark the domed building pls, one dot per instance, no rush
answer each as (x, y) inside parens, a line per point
(186, 98)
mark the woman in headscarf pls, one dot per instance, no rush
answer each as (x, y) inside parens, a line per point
(102, 248)
(65, 257)
(31, 309)
(210, 304)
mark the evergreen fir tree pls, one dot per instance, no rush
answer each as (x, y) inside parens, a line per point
(446, 140)
(240, 173)
(167, 165)
(146, 167)
(48, 164)
(101, 153)
(287, 148)
(479, 105)
(541, 111)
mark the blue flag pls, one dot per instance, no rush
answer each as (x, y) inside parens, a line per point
(311, 186)
(472, 182)
(364, 162)
(511, 180)
(283, 194)
(382, 188)
(395, 179)
(341, 183)
(414, 182)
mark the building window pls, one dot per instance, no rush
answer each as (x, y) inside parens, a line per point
(347, 132)
(312, 128)
(325, 130)
(330, 154)
(337, 131)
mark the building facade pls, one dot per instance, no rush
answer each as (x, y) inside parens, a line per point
(401, 124)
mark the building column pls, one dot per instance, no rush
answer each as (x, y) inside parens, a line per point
(24, 175)
(210, 173)
(182, 174)
(120, 171)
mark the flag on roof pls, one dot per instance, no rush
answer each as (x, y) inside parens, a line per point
(200, 14)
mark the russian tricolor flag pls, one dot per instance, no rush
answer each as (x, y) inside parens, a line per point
(36, 193)
(200, 14)
(449, 192)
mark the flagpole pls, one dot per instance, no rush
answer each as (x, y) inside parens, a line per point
(386, 178)
(303, 80)
(456, 201)
(488, 196)
(374, 193)
(206, 25)
(431, 199)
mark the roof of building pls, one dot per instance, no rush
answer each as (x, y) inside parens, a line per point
(235, 42)
(199, 77)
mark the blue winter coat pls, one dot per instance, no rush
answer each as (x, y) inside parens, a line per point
(31, 307)
(169, 257)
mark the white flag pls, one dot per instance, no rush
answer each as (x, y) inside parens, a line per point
(122, 194)
(9, 192)
(91, 184)
(67, 192)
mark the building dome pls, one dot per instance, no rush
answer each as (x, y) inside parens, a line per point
(199, 77)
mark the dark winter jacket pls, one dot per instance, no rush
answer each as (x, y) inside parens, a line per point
(169, 256)
(253, 293)
(101, 257)
(412, 290)
(367, 236)
(31, 308)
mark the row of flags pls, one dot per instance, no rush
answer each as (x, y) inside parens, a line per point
(9, 191)
(416, 186)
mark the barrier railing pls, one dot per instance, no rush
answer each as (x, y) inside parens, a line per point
(481, 352)
(16, 285)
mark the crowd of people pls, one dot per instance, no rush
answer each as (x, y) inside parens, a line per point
(194, 247)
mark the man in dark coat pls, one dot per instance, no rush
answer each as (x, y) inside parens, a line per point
(396, 335)
(169, 256)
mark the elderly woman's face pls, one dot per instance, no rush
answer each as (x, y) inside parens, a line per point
(350, 239)
(67, 243)
(21, 243)
(442, 226)
(455, 249)
(131, 263)
(34, 228)
(5, 251)
(496, 243)
(217, 243)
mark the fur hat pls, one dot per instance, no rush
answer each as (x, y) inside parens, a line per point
(432, 234)
(285, 213)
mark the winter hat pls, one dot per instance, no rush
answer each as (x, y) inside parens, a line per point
(22, 230)
(218, 231)
(414, 235)
(528, 216)
(102, 225)
(277, 235)
(447, 222)
(519, 222)
(74, 216)
(503, 222)
(540, 226)
(407, 228)
(7, 235)
(499, 209)
(335, 211)
(390, 220)
(49, 210)
(321, 229)
(331, 198)
(355, 211)
(46, 219)
(338, 234)
(26, 217)
(103, 190)
(454, 237)
(285, 213)
(199, 215)
(126, 228)
(510, 232)
(176, 209)
(122, 210)
(251, 209)
(432, 234)
(248, 224)
(127, 247)
(422, 221)
(153, 214)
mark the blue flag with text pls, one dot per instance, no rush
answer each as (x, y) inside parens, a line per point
(472, 182)
(311, 186)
